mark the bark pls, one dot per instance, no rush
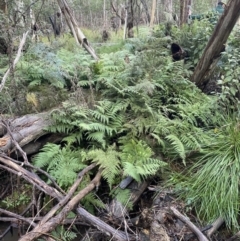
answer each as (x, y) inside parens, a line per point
(15, 61)
(23, 131)
(216, 44)
(185, 220)
(146, 10)
(76, 31)
(3, 6)
(130, 19)
(183, 11)
(154, 5)
(56, 24)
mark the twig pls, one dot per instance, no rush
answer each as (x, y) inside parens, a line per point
(235, 236)
(4, 79)
(185, 220)
(39, 170)
(19, 217)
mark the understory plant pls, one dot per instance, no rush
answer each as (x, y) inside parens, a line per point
(212, 184)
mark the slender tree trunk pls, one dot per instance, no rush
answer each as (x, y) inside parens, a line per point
(3, 6)
(216, 44)
(146, 10)
(72, 24)
(168, 8)
(154, 5)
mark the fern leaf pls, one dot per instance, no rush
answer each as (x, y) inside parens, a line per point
(178, 146)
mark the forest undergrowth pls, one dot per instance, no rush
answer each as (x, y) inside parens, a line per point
(136, 113)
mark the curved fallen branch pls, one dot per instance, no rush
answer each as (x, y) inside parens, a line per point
(185, 220)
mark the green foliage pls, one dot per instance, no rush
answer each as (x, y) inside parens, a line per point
(211, 185)
(228, 79)
(60, 233)
(122, 196)
(137, 161)
(108, 161)
(133, 104)
(63, 164)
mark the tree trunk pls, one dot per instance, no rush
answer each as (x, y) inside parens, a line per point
(130, 19)
(154, 5)
(3, 6)
(76, 31)
(146, 10)
(168, 7)
(216, 44)
(183, 4)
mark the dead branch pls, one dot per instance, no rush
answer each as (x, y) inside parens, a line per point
(18, 217)
(15, 60)
(76, 31)
(24, 155)
(52, 223)
(215, 226)
(235, 236)
(30, 177)
(102, 226)
(76, 221)
(52, 192)
(185, 220)
(68, 196)
(216, 44)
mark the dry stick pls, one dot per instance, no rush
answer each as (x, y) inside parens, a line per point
(52, 192)
(185, 220)
(19, 217)
(4, 79)
(34, 179)
(66, 221)
(39, 170)
(215, 226)
(51, 224)
(68, 196)
(24, 155)
(99, 224)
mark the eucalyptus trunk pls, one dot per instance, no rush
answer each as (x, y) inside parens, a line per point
(154, 5)
(216, 44)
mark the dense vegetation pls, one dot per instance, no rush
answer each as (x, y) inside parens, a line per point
(136, 113)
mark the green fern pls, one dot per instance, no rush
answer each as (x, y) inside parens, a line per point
(108, 161)
(137, 161)
(63, 164)
(178, 146)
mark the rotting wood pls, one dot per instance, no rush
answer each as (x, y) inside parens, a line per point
(24, 130)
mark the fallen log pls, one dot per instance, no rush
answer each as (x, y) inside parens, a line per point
(23, 130)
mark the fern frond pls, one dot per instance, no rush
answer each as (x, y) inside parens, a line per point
(178, 146)
(107, 160)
